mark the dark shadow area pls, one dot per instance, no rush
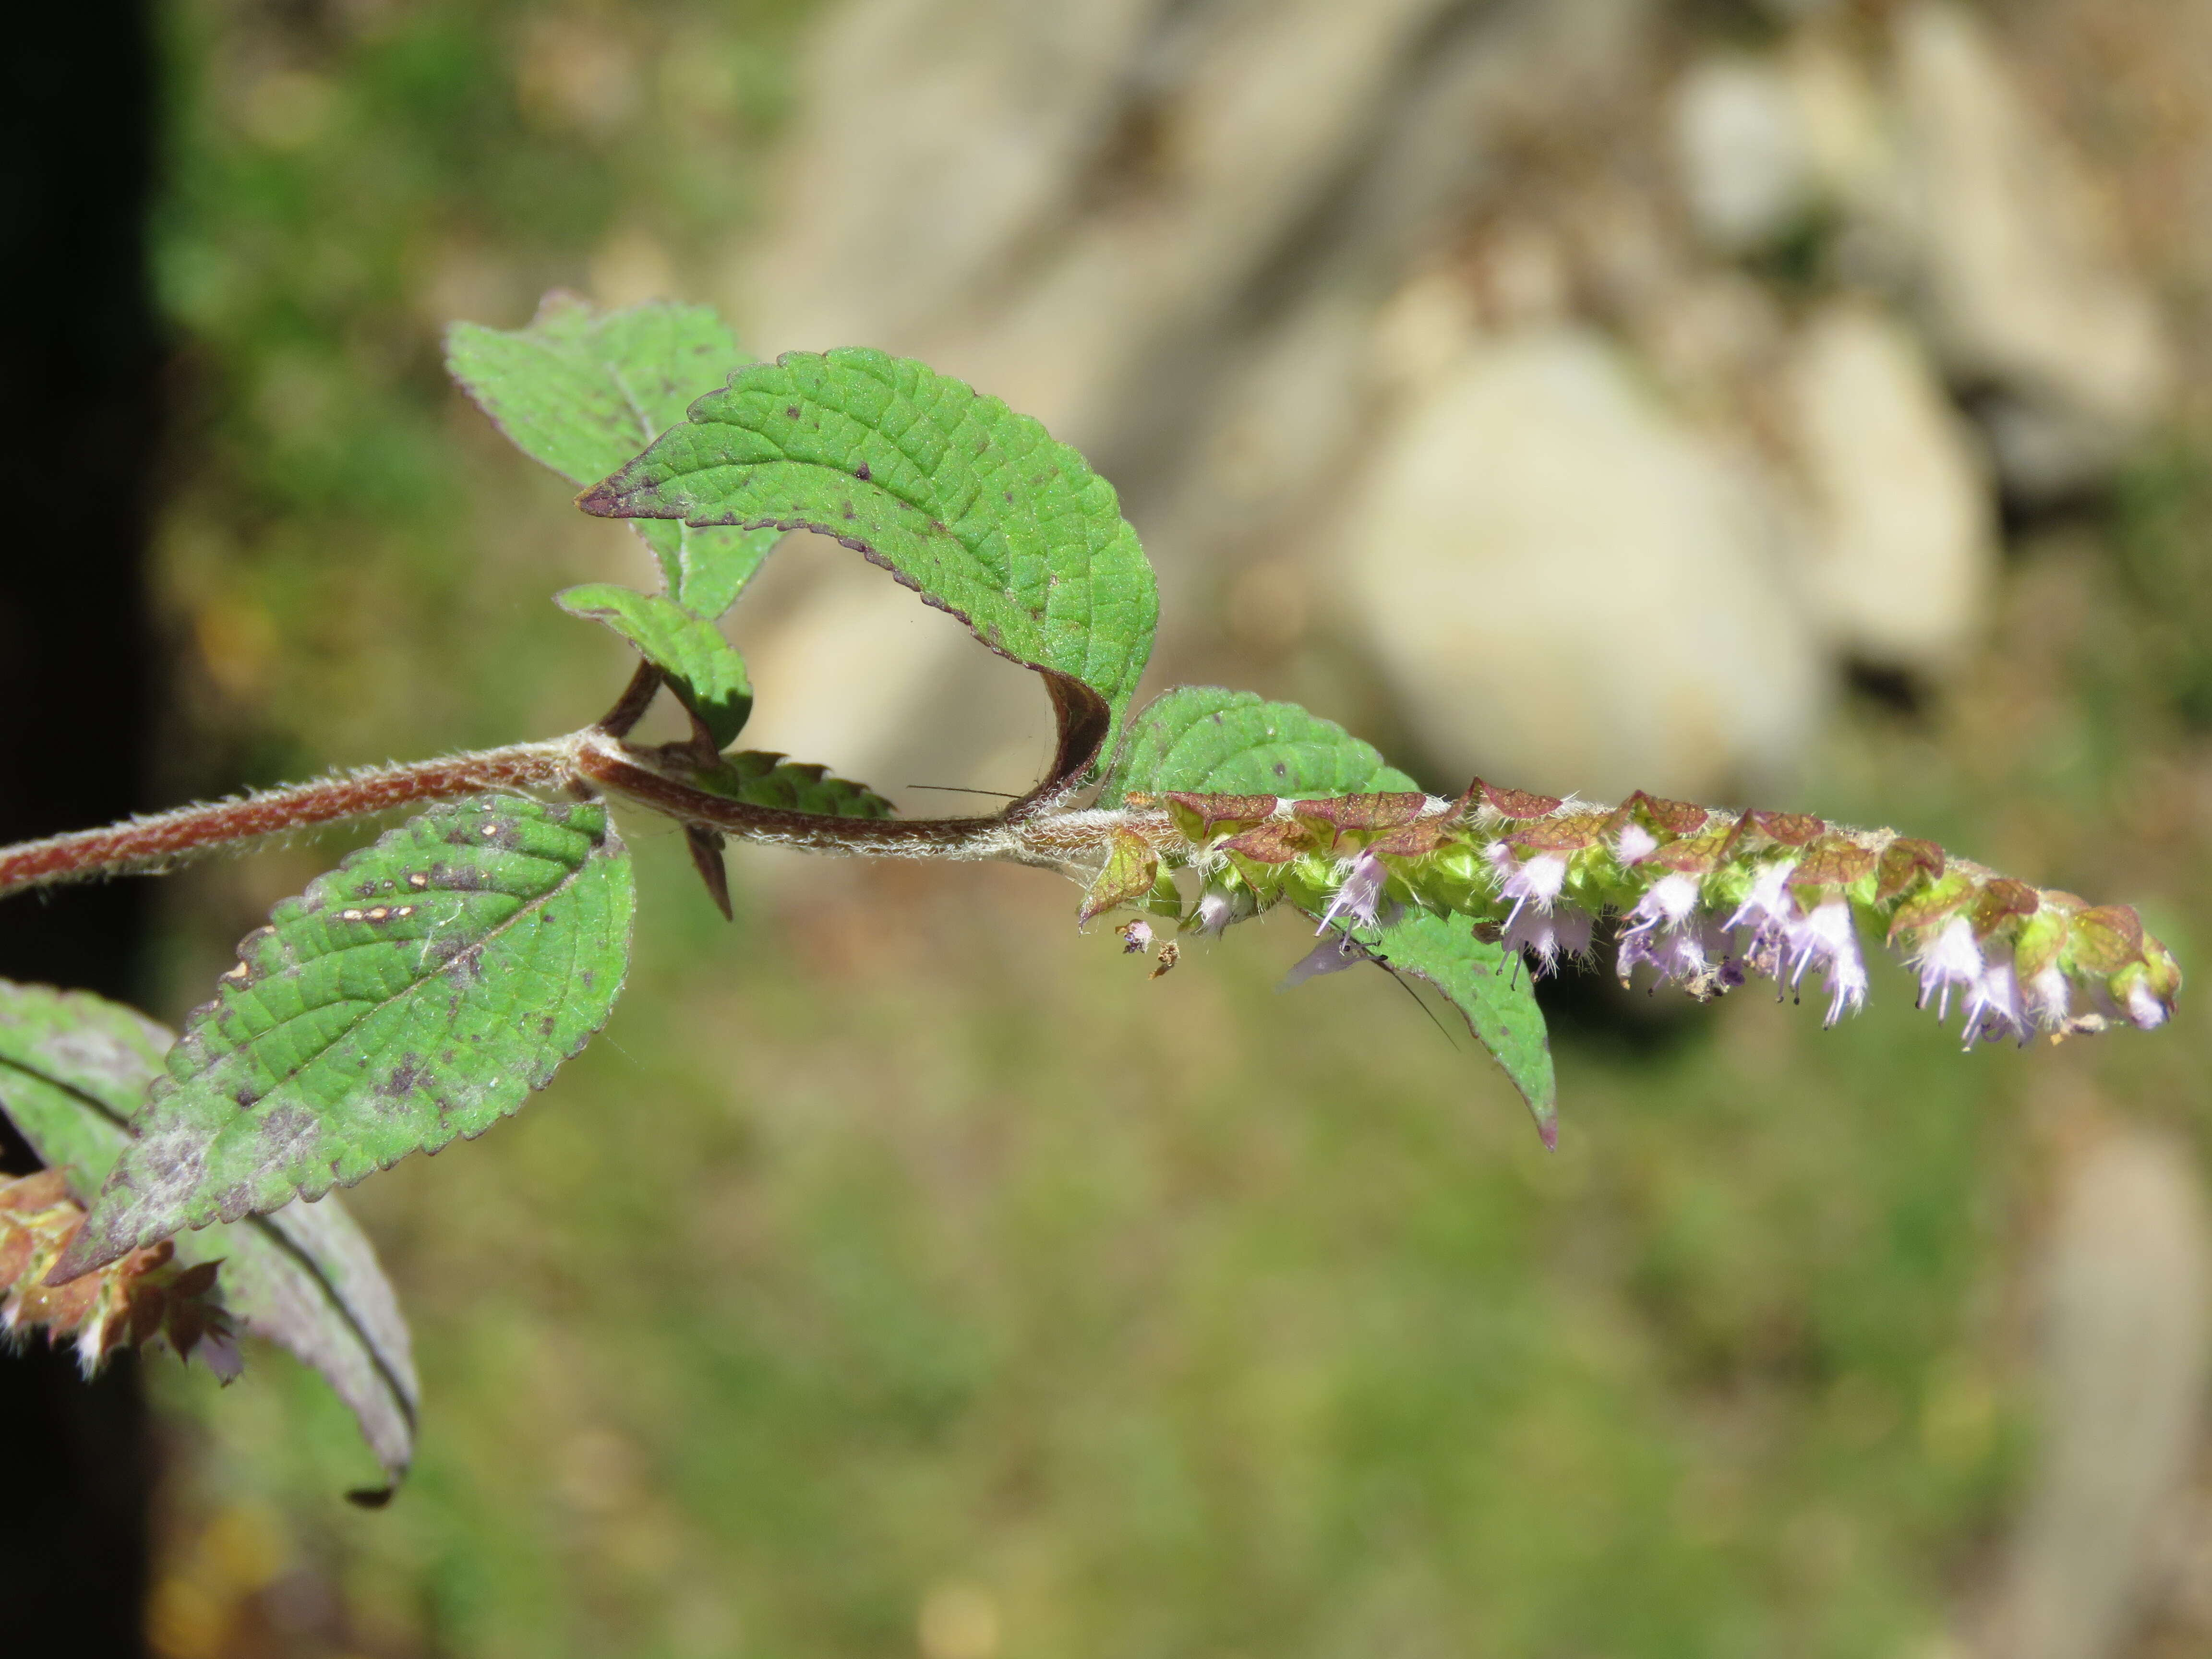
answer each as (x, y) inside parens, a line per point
(1586, 1008)
(79, 364)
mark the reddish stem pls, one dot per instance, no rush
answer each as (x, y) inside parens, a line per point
(151, 842)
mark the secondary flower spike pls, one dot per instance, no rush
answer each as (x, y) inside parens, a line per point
(1706, 898)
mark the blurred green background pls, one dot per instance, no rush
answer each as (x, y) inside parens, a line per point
(904, 1272)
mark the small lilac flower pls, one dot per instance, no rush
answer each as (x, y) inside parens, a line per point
(2049, 998)
(1827, 940)
(1953, 959)
(1672, 899)
(1357, 898)
(1694, 955)
(2144, 1008)
(1993, 1009)
(1538, 881)
(1136, 937)
(1549, 934)
(1331, 956)
(220, 1353)
(1667, 937)
(1634, 844)
(1769, 912)
(1216, 910)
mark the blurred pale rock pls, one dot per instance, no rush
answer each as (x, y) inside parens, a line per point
(1743, 151)
(1568, 588)
(937, 136)
(2124, 1368)
(1163, 226)
(1904, 552)
(1035, 196)
(2020, 275)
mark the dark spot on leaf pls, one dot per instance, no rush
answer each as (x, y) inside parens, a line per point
(1281, 770)
(545, 1025)
(862, 473)
(245, 1096)
(792, 410)
(406, 1078)
(587, 977)
(286, 1130)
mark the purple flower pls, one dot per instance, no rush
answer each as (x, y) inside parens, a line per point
(1993, 1009)
(2049, 998)
(1357, 898)
(1537, 882)
(1827, 940)
(1695, 956)
(1769, 912)
(1549, 934)
(1216, 910)
(2144, 1008)
(1136, 937)
(1953, 960)
(1634, 844)
(1666, 935)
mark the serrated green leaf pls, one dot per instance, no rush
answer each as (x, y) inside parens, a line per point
(766, 778)
(698, 664)
(974, 506)
(73, 1068)
(583, 393)
(418, 992)
(1202, 738)
(1492, 991)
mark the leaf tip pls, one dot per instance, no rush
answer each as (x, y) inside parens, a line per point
(87, 1252)
(601, 500)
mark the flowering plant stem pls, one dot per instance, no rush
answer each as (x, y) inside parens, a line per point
(424, 988)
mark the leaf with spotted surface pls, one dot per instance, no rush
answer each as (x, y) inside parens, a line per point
(418, 992)
(1202, 738)
(582, 391)
(73, 1068)
(973, 505)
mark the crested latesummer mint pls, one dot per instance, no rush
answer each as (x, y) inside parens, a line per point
(425, 988)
